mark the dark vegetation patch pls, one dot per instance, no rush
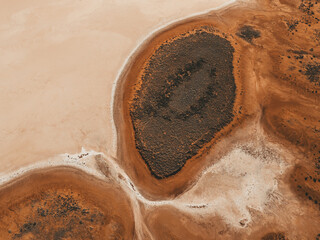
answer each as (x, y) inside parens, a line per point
(248, 33)
(312, 71)
(274, 236)
(303, 63)
(310, 10)
(301, 66)
(186, 98)
(308, 6)
(306, 184)
(292, 25)
(58, 216)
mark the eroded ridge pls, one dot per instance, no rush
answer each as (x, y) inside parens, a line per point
(185, 96)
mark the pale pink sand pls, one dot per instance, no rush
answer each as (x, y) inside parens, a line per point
(59, 61)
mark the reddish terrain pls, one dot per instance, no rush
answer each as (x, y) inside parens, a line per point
(218, 123)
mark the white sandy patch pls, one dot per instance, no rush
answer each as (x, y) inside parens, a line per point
(239, 181)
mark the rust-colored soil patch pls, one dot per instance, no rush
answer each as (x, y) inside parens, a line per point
(63, 204)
